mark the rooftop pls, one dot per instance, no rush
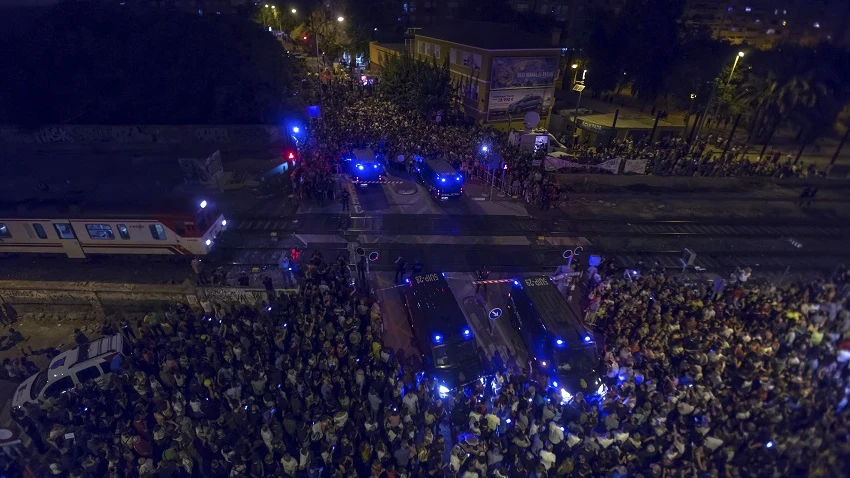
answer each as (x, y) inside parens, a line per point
(486, 35)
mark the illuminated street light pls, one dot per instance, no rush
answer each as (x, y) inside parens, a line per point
(273, 7)
(574, 66)
(294, 11)
(740, 54)
(340, 19)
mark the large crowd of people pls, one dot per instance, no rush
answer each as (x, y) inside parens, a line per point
(357, 117)
(719, 379)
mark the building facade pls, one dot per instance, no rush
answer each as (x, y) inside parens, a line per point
(501, 73)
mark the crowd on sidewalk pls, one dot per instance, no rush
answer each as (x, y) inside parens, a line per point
(702, 380)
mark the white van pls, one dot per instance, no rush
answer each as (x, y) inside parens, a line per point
(66, 370)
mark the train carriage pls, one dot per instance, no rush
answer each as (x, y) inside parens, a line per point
(80, 232)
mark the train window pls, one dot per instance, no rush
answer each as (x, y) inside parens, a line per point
(4, 231)
(101, 232)
(123, 231)
(180, 228)
(64, 230)
(158, 232)
(39, 230)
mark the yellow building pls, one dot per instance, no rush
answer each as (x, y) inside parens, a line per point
(503, 73)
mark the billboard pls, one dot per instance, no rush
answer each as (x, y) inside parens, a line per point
(506, 104)
(523, 72)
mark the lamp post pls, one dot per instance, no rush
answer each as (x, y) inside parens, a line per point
(579, 88)
(701, 122)
(574, 66)
(729, 81)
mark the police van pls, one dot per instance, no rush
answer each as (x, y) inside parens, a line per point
(364, 166)
(449, 350)
(558, 342)
(74, 367)
(439, 177)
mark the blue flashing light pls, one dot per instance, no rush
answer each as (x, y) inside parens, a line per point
(438, 339)
(769, 444)
(407, 280)
(587, 339)
(443, 274)
(555, 383)
(296, 129)
(360, 167)
(458, 178)
(375, 166)
(559, 342)
(443, 179)
(467, 332)
(516, 282)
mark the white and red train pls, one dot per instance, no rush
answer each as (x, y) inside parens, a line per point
(81, 233)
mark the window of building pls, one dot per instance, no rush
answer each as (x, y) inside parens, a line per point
(87, 374)
(101, 232)
(157, 232)
(4, 231)
(39, 231)
(64, 231)
(123, 231)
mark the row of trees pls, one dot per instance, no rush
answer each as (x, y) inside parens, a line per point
(417, 85)
(645, 47)
(79, 62)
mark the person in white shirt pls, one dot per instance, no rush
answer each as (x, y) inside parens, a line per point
(547, 457)
(556, 435)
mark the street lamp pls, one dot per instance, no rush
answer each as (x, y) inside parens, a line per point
(575, 71)
(294, 11)
(340, 19)
(701, 122)
(579, 88)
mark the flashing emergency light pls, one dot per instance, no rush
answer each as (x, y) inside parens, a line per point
(443, 179)
(587, 338)
(291, 155)
(208, 242)
(438, 338)
(554, 383)
(458, 178)
(559, 342)
(467, 332)
(224, 222)
(516, 282)
(203, 204)
(296, 129)
(485, 148)
(375, 166)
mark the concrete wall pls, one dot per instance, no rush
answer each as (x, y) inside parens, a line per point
(97, 299)
(602, 182)
(135, 135)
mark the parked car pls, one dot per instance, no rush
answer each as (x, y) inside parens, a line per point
(527, 103)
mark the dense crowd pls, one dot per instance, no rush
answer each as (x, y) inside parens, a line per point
(702, 380)
(356, 117)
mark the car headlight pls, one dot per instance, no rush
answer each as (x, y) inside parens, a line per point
(444, 391)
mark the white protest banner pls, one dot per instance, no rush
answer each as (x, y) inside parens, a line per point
(612, 165)
(636, 166)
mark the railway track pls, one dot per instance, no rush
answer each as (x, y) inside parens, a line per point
(513, 225)
(721, 245)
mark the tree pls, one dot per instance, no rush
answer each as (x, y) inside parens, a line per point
(417, 85)
(121, 64)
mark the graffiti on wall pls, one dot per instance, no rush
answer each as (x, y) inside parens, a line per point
(143, 134)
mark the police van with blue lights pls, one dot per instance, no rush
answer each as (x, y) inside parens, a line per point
(561, 346)
(364, 166)
(439, 177)
(449, 350)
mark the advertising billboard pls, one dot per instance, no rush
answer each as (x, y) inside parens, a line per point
(523, 72)
(506, 104)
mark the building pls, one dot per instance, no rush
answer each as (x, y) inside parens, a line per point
(502, 73)
(764, 24)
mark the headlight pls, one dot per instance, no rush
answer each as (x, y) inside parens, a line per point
(565, 396)
(543, 363)
(444, 391)
(602, 389)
